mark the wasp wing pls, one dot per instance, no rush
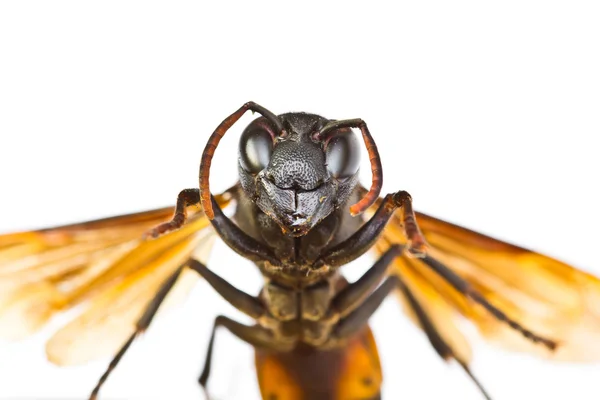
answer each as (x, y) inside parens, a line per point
(103, 271)
(547, 296)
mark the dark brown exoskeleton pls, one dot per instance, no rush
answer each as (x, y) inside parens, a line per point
(298, 177)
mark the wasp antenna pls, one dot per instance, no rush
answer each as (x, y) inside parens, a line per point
(213, 142)
(376, 170)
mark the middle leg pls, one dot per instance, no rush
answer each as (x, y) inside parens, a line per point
(355, 321)
(256, 336)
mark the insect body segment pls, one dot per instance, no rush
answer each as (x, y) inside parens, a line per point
(349, 372)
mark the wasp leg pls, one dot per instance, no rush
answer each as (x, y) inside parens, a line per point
(247, 304)
(465, 288)
(363, 239)
(256, 336)
(239, 241)
(186, 198)
(357, 319)
(437, 342)
(354, 294)
(231, 234)
(141, 325)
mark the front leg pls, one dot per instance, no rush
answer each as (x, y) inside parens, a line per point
(185, 199)
(363, 239)
(232, 235)
(239, 241)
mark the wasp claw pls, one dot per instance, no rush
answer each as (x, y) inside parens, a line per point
(417, 248)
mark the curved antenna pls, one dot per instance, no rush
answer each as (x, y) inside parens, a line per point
(376, 170)
(213, 142)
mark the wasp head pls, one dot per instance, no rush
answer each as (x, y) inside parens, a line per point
(298, 177)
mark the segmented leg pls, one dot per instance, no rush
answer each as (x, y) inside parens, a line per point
(417, 245)
(358, 301)
(244, 302)
(141, 326)
(443, 349)
(186, 198)
(238, 240)
(355, 293)
(256, 336)
(465, 288)
(363, 239)
(357, 319)
(231, 234)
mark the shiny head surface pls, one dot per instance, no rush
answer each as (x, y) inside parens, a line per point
(298, 177)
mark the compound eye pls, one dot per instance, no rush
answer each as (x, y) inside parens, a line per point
(343, 155)
(256, 147)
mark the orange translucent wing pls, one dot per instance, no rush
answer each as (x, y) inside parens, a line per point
(101, 268)
(110, 317)
(440, 311)
(547, 296)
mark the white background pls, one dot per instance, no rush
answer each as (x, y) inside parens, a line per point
(486, 112)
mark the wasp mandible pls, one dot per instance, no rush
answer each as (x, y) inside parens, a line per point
(300, 215)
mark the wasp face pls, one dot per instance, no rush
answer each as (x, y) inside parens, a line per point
(297, 179)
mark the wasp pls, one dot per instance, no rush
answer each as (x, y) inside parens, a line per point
(299, 214)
